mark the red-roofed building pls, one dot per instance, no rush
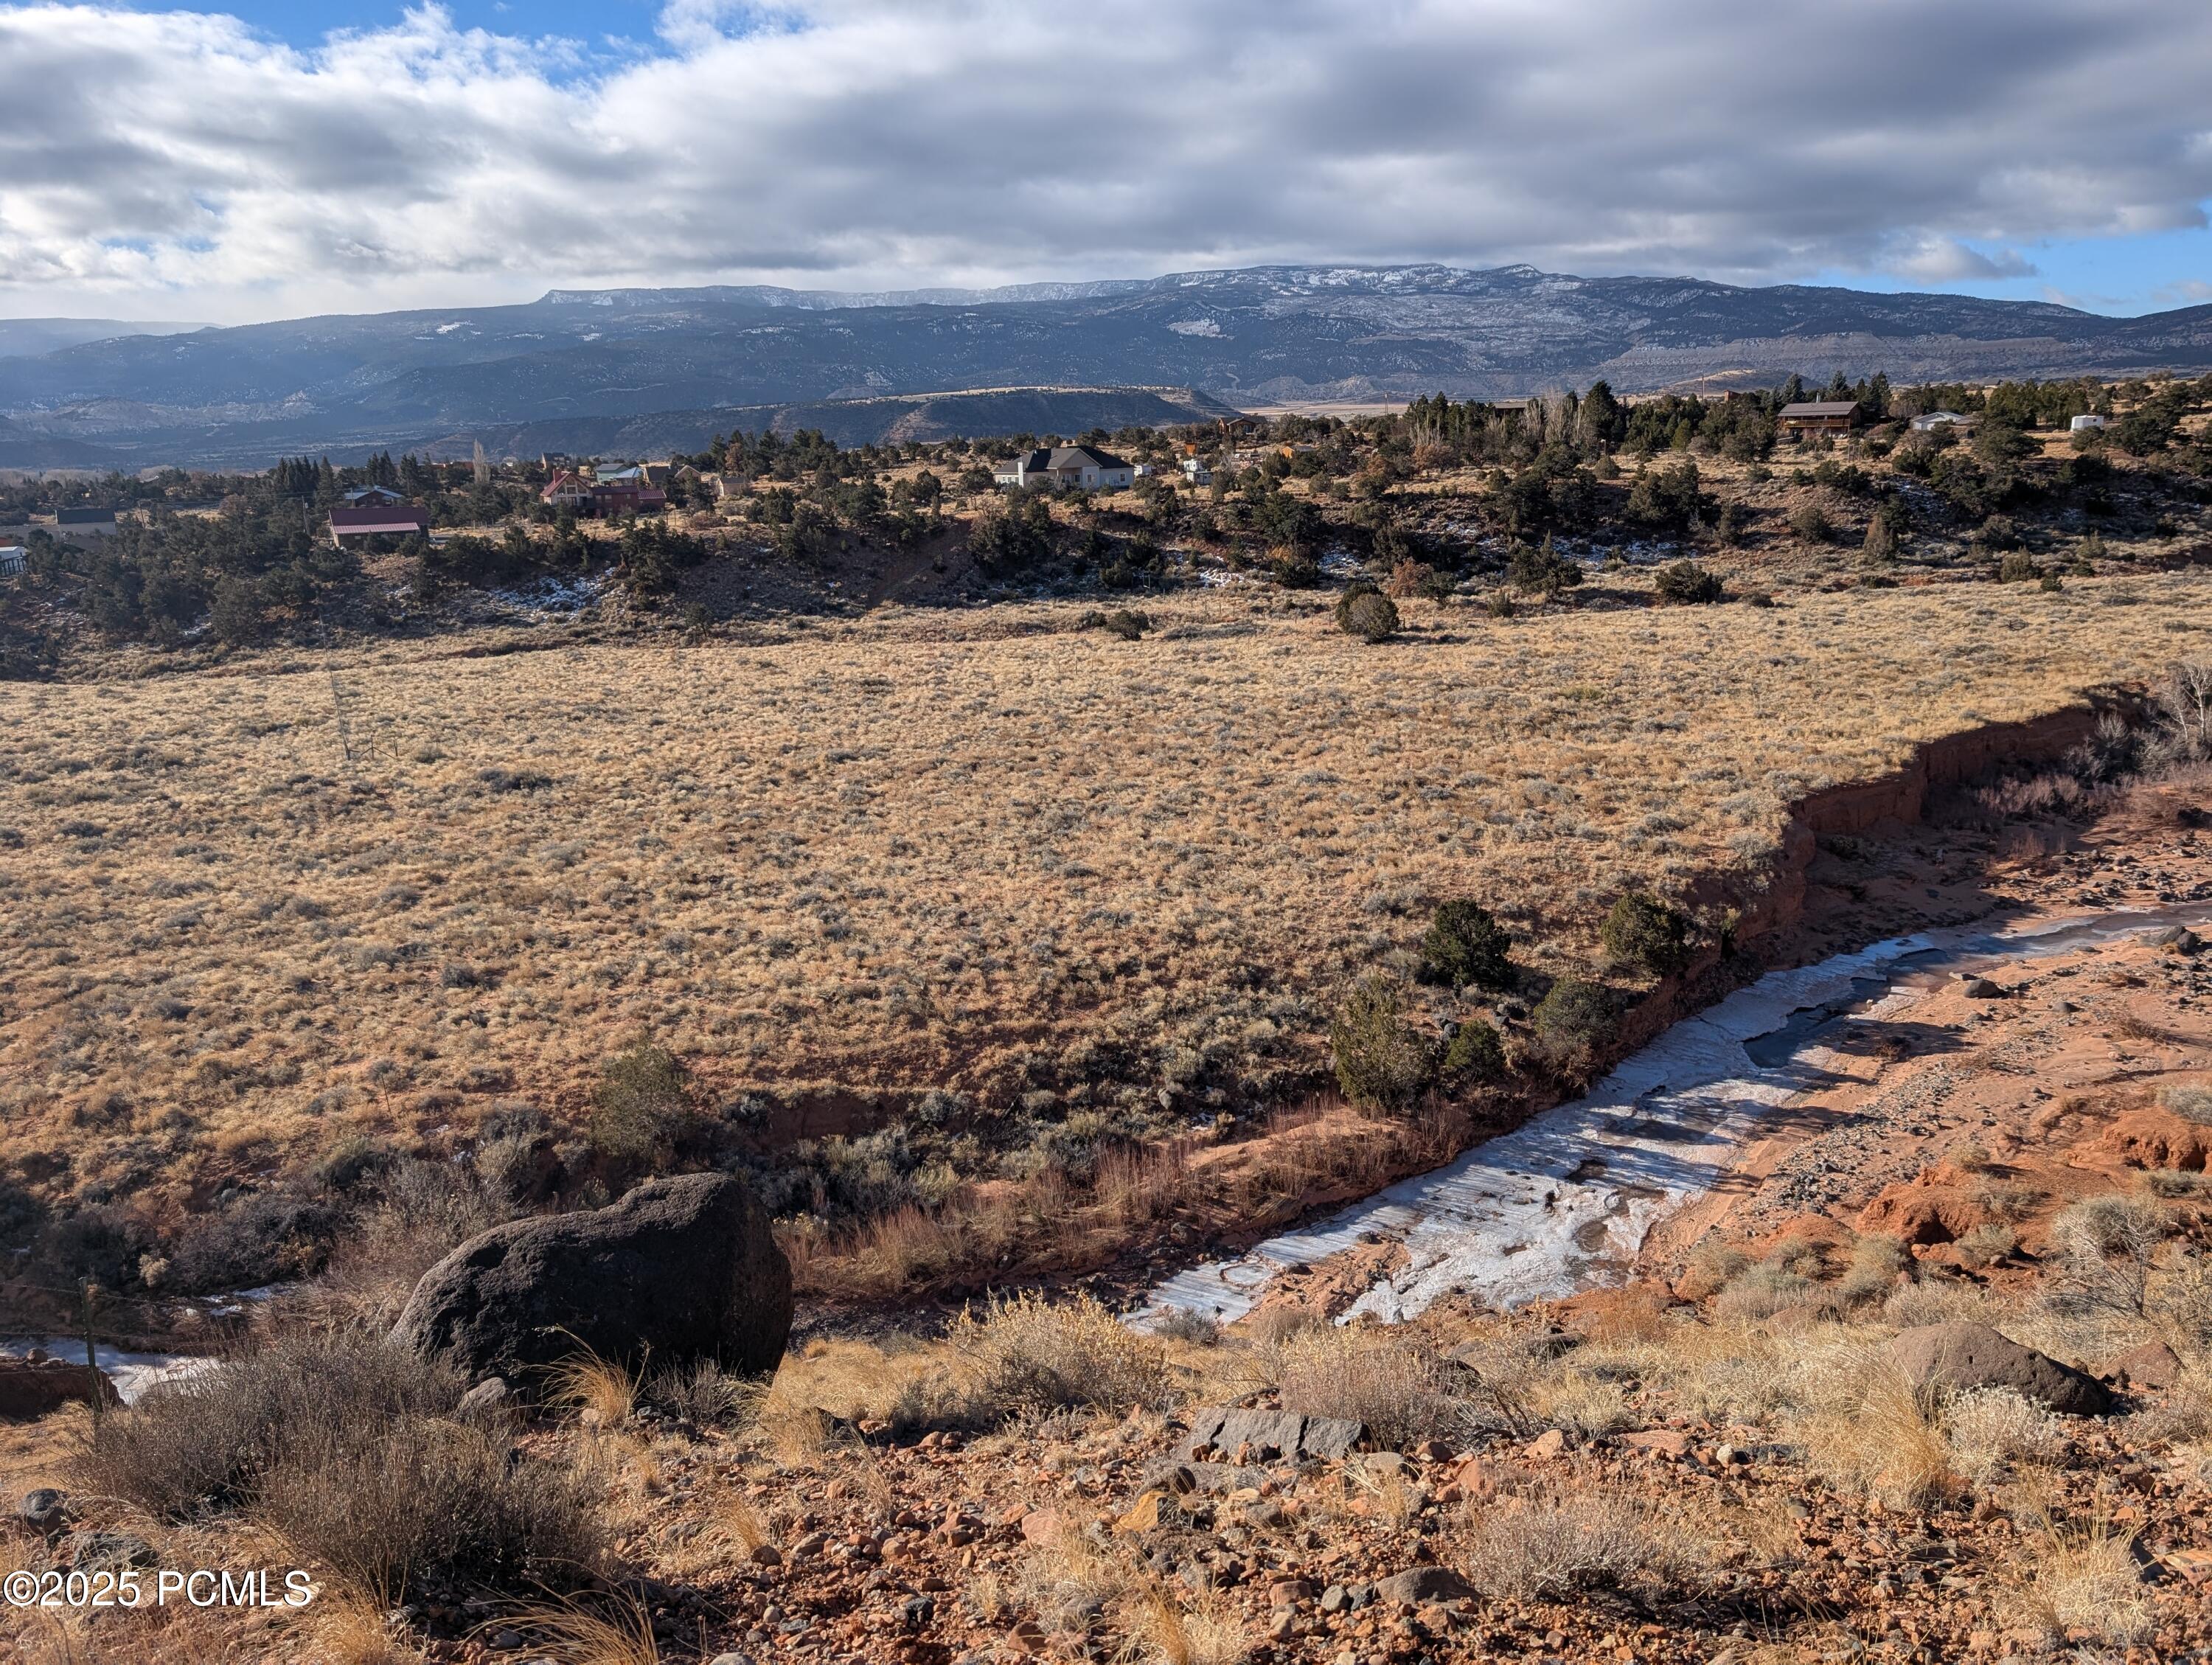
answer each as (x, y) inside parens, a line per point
(379, 521)
(569, 489)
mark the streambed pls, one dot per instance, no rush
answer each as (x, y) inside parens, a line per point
(1563, 1202)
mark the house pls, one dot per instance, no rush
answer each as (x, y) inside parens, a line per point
(564, 490)
(373, 497)
(624, 496)
(1820, 416)
(13, 560)
(376, 521)
(1195, 471)
(2089, 424)
(82, 520)
(1067, 467)
(626, 491)
(619, 474)
(1951, 419)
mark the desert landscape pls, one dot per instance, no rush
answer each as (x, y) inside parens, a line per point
(1559, 1030)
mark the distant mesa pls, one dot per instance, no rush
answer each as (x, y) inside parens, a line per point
(652, 369)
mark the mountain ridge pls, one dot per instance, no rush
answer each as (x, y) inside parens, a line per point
(1250, 335)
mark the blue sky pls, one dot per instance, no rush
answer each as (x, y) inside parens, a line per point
(274, 160)
(615, 27)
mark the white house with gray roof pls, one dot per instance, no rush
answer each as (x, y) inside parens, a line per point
(1067, 467)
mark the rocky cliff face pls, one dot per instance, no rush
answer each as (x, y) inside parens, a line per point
(1252, 337)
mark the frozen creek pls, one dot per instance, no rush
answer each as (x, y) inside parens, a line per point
(1563, 1202)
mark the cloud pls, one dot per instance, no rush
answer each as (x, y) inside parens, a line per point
(182, 161)
(1947, 260)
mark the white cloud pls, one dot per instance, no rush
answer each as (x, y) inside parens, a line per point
(1947, 260)
(177, 163)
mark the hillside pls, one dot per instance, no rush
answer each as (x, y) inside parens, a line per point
(401, 380)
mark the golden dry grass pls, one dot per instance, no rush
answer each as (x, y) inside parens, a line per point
(982, 852)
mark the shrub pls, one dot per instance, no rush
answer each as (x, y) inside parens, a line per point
(1989, 1427)
(1368, 1374)
(2108, 1245)
(1685, 584)
(1541, 570)
(2190, 1103)
(641, 1106)
(1031, 1355)
(258, 1240)
(1576, 1020)
(1382, 1062)
(1985, 1245)
(1877, 1260)
(2018, 567)
(1200, 1329)
(1365, 611)
(349, 1449)
(1476, 1055)
(1556, 1541)
(1760, 1291)
(2088, 1581)
(1644, 931)
(1464, 945)
(1810, 522)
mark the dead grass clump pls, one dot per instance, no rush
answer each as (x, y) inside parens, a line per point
(1582, 1403)
(2085, 1579)
(1386, 1380)
(1554, 1542)
(1985, 1245)
(345, 1447)
(1879, 1258)
(1031, 1355)
(1712, 1264)
(1991, 1428)
(423, 1507)
(706, 1395)
(1762, 1291)
(1173, 1634)
(604, 1388)
(575, 1632)
(2191, 1104)
(1872, 1434)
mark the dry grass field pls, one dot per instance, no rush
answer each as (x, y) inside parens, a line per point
(1060, 879)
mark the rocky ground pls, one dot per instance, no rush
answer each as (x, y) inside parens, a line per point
(1794, 1439)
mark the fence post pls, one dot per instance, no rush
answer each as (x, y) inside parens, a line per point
(90, 1295)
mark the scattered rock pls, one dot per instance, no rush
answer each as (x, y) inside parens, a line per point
(1551, 1444)
(2153, 1365)
(767, 1555)
(1248, 1435)
(1981, 988)
(1143, 1515)
(1966, 1355)
(1026, 1638)
(487, 1398)
(1668, 1442)
(1416, 1585)
(1042, 1526)
(682, 1270)
(46, 1509)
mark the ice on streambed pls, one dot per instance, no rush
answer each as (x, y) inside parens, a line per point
(133, 1373)
(1566, 1200)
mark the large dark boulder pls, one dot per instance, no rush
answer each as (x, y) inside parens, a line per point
(1961, 1356)
(679, 1271)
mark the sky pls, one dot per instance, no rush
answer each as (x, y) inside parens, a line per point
(280, 160)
